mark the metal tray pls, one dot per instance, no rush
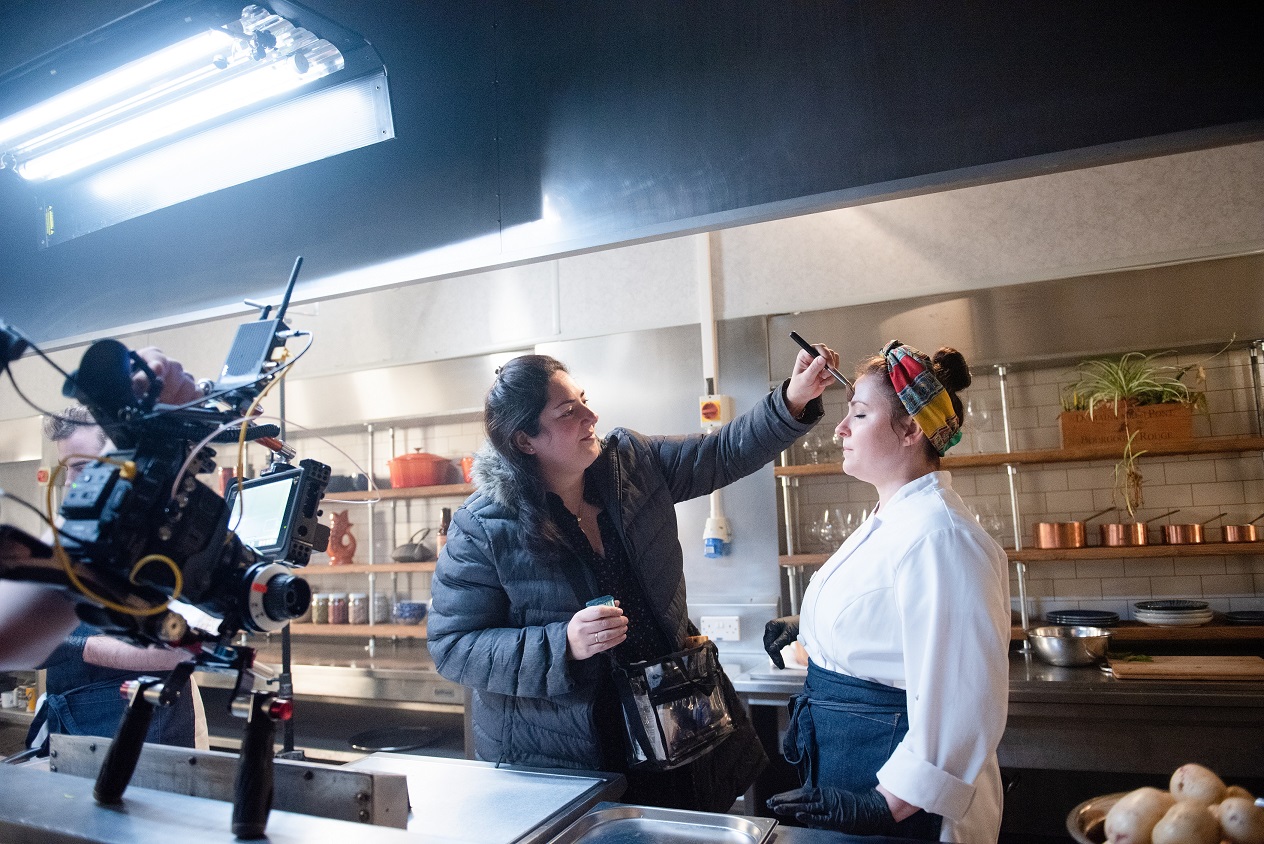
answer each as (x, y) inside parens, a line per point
(615, 823)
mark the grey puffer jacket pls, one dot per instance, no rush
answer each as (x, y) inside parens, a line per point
(499, 613)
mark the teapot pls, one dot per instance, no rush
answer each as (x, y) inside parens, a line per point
(414, 550)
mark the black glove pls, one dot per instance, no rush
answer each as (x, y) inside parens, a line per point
(777, 634)
(855, 812)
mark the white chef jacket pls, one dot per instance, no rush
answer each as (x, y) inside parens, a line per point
(918, 598)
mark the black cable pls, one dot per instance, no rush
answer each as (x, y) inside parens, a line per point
(37, 511)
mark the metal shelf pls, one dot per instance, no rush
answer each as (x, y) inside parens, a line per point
(1093, 552)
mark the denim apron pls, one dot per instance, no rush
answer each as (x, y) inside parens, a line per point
(842, 730)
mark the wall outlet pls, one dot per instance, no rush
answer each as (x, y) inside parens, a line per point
(721, 628)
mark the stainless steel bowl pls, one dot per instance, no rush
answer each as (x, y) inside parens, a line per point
(1069, 645)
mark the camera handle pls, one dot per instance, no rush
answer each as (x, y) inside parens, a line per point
(252, 793)
(143, 695)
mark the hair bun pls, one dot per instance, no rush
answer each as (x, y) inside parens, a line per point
(951, 369)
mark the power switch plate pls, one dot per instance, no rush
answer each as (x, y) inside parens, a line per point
(721, 628)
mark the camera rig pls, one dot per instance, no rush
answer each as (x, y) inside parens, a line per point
(139, 531)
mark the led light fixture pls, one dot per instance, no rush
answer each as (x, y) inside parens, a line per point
(242, 97)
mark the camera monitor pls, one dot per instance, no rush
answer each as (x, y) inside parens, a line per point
(278, 516)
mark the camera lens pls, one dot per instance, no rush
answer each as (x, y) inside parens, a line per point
(286, 597)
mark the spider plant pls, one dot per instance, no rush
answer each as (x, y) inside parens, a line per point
(1128, 477)
(1134, 379)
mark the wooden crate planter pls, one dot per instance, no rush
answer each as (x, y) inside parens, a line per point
(1153, 423)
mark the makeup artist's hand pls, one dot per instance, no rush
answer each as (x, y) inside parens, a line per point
(809, 378)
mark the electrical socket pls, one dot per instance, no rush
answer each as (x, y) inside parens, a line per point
(721, 628)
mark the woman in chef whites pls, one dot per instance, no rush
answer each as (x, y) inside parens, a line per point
(561, 518)
(906, 627)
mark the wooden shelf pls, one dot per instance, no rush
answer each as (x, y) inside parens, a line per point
(1097, 552)
(346, 631)
(437, 491)
(362, 568)
(1135, 631)
(1202, 445)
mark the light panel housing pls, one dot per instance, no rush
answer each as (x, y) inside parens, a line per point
(243, 96)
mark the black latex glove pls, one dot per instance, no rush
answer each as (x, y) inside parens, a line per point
(777, 634)
(855, 812)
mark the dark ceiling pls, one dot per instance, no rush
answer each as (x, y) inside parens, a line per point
(636, 120)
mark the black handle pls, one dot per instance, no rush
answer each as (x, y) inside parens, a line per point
(120, 760)
(252, 793)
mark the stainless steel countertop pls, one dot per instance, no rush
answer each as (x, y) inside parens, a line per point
(452, 801)
(480, 803)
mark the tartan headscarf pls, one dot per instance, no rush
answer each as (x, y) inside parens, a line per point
(922, 395)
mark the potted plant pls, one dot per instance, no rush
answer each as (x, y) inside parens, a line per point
(1114, 400)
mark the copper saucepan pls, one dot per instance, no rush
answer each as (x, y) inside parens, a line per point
(1063, 534)
(1242, 533)
(1186, 534)
(1129, 534)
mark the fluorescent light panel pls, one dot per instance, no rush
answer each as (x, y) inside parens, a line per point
(300, 131)
(179, 58)
(240, 92)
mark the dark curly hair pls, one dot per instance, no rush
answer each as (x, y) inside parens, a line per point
(514, 403)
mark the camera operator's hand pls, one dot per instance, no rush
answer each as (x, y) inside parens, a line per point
(777, 634)
(178, 386)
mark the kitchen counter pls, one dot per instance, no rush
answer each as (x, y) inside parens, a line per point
(1079, 719)
(452, 802)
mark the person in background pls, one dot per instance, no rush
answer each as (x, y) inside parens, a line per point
(85, 671)
(560, 517)
(906, 627)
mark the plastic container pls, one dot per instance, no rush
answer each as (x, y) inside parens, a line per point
(381, 608)
(358, 608)
(320, 608)
(338, 608)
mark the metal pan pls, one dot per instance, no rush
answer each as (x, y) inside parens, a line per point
(1063, 534)
(1242, 533)
(1129, 534)
(1187, 534)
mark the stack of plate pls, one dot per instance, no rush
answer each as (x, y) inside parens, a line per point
(1173, 613)
(1082, 618)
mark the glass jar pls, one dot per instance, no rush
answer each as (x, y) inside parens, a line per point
(338, 608)
(358, 608)
(381, 608)
(320, 608)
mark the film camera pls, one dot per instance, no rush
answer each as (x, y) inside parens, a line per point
(139, 530)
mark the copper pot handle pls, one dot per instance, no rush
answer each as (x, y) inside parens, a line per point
(1162, 515)
(1101, 513)
(1212, 519)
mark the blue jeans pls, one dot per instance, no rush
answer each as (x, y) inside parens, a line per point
(842, 730)
(97, 708)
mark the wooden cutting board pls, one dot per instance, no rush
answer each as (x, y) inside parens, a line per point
(1191, 668)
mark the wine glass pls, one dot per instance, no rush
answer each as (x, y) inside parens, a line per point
(813, 445)
(978, 421)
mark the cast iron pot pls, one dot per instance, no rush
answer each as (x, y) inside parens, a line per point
(414, 550)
